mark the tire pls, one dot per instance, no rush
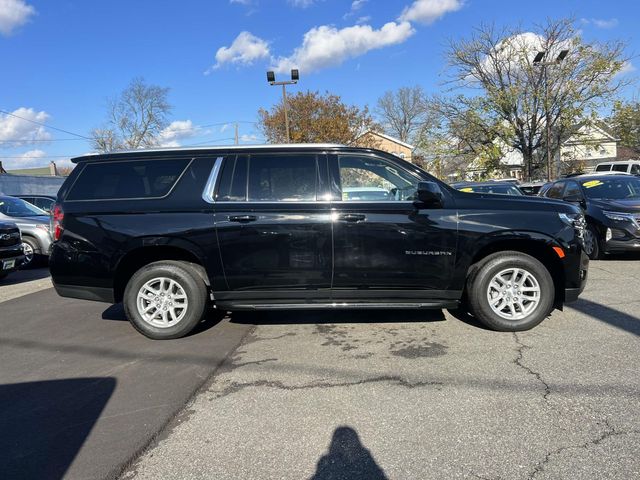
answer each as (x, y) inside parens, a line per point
(592, 245)
(499, 267)
(186, 287)
(3, 275)
(32, 252)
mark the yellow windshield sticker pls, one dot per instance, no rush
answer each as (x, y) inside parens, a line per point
(466, 189)
(592, 183)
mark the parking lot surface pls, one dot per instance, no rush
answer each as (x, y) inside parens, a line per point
(323, 395)
(408, 395)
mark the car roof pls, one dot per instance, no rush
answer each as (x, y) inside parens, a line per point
(488, 184)
(123, 154)
(619, 162)
(587, 176)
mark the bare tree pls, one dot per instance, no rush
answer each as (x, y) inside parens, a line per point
(520, 96)
(135, 118)
(402, 112)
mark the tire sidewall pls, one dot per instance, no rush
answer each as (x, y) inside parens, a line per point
(190, 282)
(36, 251)
(597, 250)
(478, 295)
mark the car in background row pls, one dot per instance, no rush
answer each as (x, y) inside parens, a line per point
(612, 209)
(499, 188)
(624, 166)
(11, 256)
(44, 202)
(33, 224)
(532, 188)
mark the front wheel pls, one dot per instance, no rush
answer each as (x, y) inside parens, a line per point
(511, 291)
(32, 252)
(592, 243)
(165, 300)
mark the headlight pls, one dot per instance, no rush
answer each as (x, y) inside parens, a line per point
(621, 217)
(575, 220)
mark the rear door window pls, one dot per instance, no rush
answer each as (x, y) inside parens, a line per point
(127, 179)
(282, 178)
(603, 168)
(621, 167)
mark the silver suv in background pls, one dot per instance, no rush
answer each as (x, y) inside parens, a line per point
(620, 166)
(33, 224)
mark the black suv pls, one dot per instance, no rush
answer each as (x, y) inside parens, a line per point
(611, 203)
(170, 232)
(11, 253)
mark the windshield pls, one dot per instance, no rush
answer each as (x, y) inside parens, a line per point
(16, 207)
(497, 189)
(612, 188)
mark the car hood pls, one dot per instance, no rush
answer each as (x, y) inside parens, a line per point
(514, 202)
(34, 220)
(629, 206)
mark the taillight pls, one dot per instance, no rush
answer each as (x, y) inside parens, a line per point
(57, 215)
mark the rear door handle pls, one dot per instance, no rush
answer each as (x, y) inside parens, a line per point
(243, 218)
(352, 217)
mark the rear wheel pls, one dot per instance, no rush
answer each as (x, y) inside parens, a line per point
(165, 299)
(510, 291)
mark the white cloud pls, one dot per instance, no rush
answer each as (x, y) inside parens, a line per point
(355, 6)
(176, 131)
(242, 2)
(248, 138)
(363, 19)
(326, 46)
(302, 3)
(245, 49)
(14, 14)
(20, 131)
(627, 67)
(600, 22)
(428, 11)
(32, 158)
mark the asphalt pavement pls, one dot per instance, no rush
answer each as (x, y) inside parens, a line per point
(409, 395)
(322, 395)
(82, 393)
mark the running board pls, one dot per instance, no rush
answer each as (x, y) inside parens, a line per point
(338, 305)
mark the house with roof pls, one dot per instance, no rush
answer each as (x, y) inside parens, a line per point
(386, 143)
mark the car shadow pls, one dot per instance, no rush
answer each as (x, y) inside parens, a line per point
(622, 256)
(22, 276)
(609, 315)
(212, 317)
(43, 425)
(334, 316)
(347, 458)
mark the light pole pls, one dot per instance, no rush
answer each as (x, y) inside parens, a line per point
(295, 76)
(538, 62)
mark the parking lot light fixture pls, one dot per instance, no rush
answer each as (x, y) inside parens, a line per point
(295, 77)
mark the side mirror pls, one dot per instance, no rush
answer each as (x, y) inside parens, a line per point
(574, 199)
(429, 195)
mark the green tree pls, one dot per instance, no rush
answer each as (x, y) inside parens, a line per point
(499, 81)
(625, 123)
(315, 118)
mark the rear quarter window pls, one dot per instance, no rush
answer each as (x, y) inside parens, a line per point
(127, 179)
(603, 168)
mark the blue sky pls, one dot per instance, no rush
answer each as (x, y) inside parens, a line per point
(60, 60)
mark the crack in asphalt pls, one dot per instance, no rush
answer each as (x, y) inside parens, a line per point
(529, 370)
(608, 433)
(236, 387)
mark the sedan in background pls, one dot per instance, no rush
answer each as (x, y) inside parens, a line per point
(612, 209)
(33, 224)
(499, 188)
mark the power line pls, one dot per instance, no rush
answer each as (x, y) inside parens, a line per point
(37, 140)
(44, 125)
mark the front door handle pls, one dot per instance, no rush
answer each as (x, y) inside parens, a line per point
(243, 218)
(352, 217)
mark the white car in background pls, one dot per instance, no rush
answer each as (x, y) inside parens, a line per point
(621, 166)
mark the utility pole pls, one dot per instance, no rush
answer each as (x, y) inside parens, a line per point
(271, 78)
(538, 62)
(236, 135)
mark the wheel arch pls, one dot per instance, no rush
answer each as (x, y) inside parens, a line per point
(541, 249)
(141, 255)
